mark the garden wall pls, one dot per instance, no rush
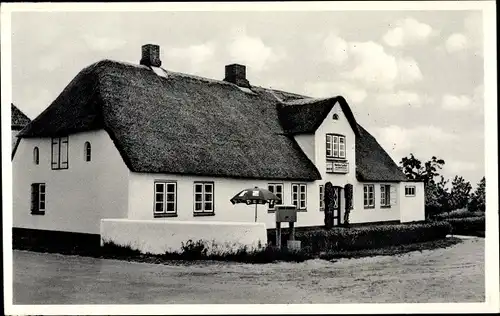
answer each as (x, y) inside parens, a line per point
(159, 236)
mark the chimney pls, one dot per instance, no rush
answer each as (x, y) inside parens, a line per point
(150, 55)
(236, 73)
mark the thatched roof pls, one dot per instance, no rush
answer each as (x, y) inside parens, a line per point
(18, 118)
(372, 161)
(182, 124)
(304, 116)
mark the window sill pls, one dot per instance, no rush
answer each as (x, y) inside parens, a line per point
(200, 214)
(303, 210)
(38, 213)
(409, 195)
(163, 215)
(271, 211)
(385, 206)
(369, 207)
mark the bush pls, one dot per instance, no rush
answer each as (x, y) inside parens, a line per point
(472, 226)
(370, 237)
(462, 213)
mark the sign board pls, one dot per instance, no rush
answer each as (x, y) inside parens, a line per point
(286, 213)
(337, 167)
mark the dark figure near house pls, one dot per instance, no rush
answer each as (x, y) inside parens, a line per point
(329, 204)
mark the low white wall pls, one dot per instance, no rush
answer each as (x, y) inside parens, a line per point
(157, 237)
(412, 207)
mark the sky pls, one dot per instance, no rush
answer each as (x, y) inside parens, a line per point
(414, 79)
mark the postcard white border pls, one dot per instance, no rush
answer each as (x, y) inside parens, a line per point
(491, 164)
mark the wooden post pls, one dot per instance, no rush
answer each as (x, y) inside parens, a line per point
(278, 235)
(292, 231)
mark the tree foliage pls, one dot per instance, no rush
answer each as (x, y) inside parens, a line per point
(459, 194)
(436, 197)
(414, 169)
(477, 200)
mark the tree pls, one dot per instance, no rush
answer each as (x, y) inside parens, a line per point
(477, 202)
(348, 195)
(436, 198)
(415, 170)
(459, 194)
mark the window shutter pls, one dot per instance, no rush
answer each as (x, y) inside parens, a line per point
(393, 195)
(34, 197)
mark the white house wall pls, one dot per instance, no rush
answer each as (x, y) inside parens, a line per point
(78, 197)
(306, 143)
(141, 198)
(412, 207)
(360, 214)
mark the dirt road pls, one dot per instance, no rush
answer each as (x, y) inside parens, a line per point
(455, 274)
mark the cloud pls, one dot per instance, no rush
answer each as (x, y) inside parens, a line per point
(471, 39)
(456, 102)
(335, 49)
(400, 141)
(49, 62)
(458, 167)
(463, 102)
(252, 51)
(407, 32)
(196, 54)
(376, 68)
(349, 91)
(456, 42)
(402, 98)
(103, 44)
(408, 71)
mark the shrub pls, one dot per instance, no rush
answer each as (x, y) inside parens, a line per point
(113, 250)
(194, 250)
(370, 237)
(474, 226)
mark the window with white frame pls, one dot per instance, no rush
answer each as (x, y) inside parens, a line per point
(59, 153)
(385, 195)
(335, 146)
(369, 196)
(299, 195)
(321, 197)
(410, 190)
(277, 189)
(36, 155)
(38, 198)
(165, 198)
(204, 198)
(87, 151)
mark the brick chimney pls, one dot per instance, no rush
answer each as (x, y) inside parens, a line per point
(150, 55)
(237, 74)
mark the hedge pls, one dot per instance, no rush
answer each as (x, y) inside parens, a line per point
(462, 213)
(369, 237)
(473, 226)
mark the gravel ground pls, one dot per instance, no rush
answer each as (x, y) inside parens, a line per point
(454, 274)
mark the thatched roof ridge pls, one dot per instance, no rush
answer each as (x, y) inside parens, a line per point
(18, 119)
(185, 124)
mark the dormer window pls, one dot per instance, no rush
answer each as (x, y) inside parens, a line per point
(335, 146)
(87, 151)
(36, 156)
